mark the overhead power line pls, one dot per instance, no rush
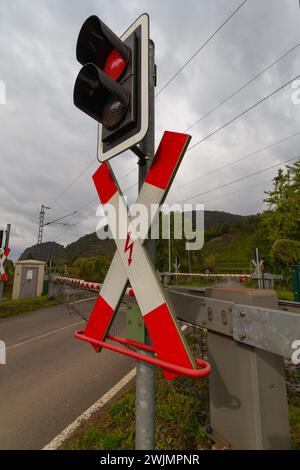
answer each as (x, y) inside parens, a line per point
(244, 112)
(97, 199)
(234, 162)
(165, 86)
(79, 176)
(60, 218)
(243, 86)
(238, 191)
(240, 179)
(236, 118)
(74, 181)
(201, 140)
(198, 50)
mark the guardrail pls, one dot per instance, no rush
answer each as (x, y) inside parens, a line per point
(247, 336)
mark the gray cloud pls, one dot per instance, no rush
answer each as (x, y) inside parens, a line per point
(46, 141)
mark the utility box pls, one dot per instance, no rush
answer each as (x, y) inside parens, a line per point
(28, 279)
(296, 282)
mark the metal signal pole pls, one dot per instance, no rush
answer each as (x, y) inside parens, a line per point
(41, 223)
(145, 374)
(258, 268)
(6, 243)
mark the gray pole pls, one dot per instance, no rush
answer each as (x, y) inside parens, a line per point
(7, 235)
(1, 290)
(5, 246)
(258, 269)
(145, 373)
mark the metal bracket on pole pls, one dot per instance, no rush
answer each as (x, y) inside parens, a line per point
(142, 157)
(135, 327)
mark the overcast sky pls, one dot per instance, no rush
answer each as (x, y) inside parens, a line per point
(46, 142)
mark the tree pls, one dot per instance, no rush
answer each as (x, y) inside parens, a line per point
(282, 218)
(284, 254)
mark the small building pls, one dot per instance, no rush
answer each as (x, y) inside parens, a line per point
(28, 279)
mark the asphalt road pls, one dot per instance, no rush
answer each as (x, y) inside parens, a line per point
(50, 378)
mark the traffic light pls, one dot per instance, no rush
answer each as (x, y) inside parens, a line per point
(112, 86)
(1, 238)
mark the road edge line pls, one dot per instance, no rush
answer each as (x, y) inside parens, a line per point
(59, 440)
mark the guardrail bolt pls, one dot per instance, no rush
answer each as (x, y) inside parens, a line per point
(224, 317)
(242, 313)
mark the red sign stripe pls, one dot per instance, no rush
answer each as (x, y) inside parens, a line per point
(105, 184)
(173, 144)
(99, 320)
(166, 339)
(6, 252)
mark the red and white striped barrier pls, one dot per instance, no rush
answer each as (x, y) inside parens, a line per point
(3, 276)
(71, 281)
(207, 275)
(132, 262)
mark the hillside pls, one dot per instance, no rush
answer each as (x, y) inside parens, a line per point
(228, 245)
(217, 218)
(89, 245)
(43, 252)
(229, 252)
(86, 246)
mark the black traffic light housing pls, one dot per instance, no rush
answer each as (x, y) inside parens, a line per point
(108, 87)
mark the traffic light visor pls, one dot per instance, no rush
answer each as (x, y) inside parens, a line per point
(97, 44)
(99, 96)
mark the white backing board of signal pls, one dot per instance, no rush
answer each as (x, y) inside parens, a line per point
(143, 22)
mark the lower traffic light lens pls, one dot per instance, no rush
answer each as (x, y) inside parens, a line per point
(112, 114)
(114, 65)
(99, 96)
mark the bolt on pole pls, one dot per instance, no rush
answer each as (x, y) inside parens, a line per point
(145, 374)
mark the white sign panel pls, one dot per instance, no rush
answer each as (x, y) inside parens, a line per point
(143, 22)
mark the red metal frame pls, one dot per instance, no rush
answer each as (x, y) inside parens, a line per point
(204, 370)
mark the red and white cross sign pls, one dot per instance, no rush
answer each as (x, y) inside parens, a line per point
(132, 262)
(3, 276)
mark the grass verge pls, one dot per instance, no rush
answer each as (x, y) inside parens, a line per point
(9, 308)
(182, 414)
(114, 427)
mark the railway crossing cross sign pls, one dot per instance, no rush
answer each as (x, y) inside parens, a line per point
(3, 276)
(131, 261)
(259, 266)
